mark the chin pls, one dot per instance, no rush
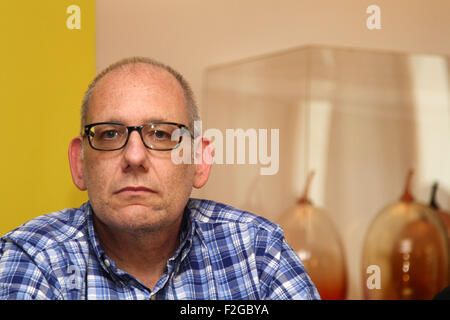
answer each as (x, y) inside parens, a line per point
(135, 216)
(138, 217)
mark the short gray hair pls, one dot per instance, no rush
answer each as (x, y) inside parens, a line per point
(192, 108)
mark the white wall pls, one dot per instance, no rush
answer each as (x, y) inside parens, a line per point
(193, 35)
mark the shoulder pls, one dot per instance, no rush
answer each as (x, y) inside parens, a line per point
(48, 230)
(214, 214)
(34, 256)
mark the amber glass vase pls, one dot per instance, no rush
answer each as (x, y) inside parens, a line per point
(407, 243)
(444, 215)
(313, 236)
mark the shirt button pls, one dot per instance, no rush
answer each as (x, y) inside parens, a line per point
(153, 297)
(107, 263)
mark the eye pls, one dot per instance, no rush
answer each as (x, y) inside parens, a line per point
(109, 134)
(160, 135)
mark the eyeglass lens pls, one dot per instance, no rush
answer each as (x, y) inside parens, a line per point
(115, 136)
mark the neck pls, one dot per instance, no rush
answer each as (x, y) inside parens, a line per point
(143, 254)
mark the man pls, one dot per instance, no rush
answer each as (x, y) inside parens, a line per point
(140, 236)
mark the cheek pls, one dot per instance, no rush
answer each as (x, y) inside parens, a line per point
(183, 175)
(177, 180)
(97, 178)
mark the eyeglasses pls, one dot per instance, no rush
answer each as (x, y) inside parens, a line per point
(110, 136)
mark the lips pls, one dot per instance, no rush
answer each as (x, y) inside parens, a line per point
(134, 190)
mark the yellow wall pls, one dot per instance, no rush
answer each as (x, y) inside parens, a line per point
(44, 70)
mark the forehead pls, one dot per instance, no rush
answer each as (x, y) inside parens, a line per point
(136, 93)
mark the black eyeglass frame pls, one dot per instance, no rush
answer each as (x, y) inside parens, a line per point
(130, 129)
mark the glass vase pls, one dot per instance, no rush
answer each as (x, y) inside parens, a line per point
(444, 215)
(311, 233)
(406, 248)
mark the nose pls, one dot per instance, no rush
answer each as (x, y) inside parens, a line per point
(135, 153)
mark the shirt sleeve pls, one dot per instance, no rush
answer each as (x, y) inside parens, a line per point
(282, 274)
(20, 277)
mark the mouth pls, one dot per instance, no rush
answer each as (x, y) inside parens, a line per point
(134, 190)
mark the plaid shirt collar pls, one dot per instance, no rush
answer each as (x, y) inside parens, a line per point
(109, 266)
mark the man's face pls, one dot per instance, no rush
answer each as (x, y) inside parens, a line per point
(136, 188)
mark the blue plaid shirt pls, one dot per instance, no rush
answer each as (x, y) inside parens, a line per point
(224, 253)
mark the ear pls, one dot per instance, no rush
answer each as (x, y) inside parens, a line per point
(76, 163)
(204, 155)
